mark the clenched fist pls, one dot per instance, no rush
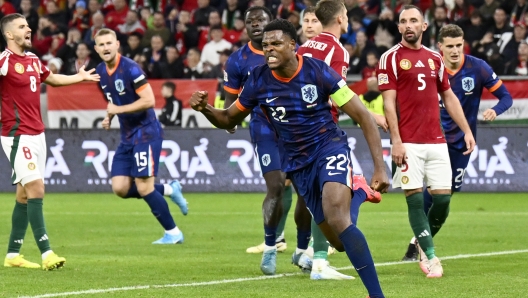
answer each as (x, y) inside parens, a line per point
(198, 100)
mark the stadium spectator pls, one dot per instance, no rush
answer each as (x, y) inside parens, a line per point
(154, 53)
(214, 20)
(6, 7)
(43, 37)
(93, 7)
(80, 18)
(353, 65)
(82, 58)
(67, 51)
(519, 65)
(354, 10)
(201, 14)
(370, 69)
(295, 19)
(501, 25)
(97, 24)
(462, 10)
(117, 15)
(431, 34)
(172, 20)
(55, 65)
(487, 50)
(372, 99)
(186, 33)
(286, 7)
(509, 44)
(383, 31)
(169, 68)
(233, 35)
(230, 14)
(257, 3)
(242, 40)
(488, 9)
(518, 12)
(132, 24)
(158, 29)
(133, 48)
(193, 66)
(355, 26)
(218, 43)
(171, 113)
(217, 71)
(474, 28)
(147, 18)
(362, 47)
(30, 14)
(429, 12)
(56, 17)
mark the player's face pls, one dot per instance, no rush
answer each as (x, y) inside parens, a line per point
(311, 26)
(278, 48)
(19, 32)
(411, 25)
(452, 49)
(256, 20)
(106, 46)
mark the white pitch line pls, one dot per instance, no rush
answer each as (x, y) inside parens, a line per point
(226, 281)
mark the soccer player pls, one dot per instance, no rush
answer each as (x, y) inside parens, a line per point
(136, 160)
(468, 77)
(410, 77)
(332, 15)
(23, 140)
(293, 93)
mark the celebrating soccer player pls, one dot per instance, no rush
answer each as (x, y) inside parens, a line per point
(293, 93)
(410, 77)
(136, 160)
(23, 140)
(468, 77)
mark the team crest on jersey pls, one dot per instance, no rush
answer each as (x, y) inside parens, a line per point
(266, 159)
(383, 78)
(468, 84)
(431, 63)
(19, 68)
(309, 93)
(31, 166)
(405, 64)
(405, 180)
(119, 85)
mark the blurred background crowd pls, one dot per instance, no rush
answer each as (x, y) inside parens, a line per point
(192, 39)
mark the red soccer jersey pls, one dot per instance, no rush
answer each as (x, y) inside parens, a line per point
(20, 78)
(417, 76)
(326, 47)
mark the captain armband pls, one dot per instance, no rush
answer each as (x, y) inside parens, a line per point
(342, 96)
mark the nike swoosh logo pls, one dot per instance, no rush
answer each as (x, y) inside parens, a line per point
(270, 100)
(104, 86)
(332, 173)
(141, 169)
(458, 186)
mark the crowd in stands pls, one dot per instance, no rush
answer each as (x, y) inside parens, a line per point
(192, 38)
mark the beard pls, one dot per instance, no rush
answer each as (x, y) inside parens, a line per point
(23, 43)
(413, 39)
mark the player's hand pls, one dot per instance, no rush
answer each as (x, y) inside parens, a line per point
(198, 100)
(232, 130)
(380, 181)
(470, 143)
(113, 109)
(399, 155)
(381, 121)
(489, 115)
(106, 123)
(88, 75)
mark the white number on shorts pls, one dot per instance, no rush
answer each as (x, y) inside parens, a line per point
(109, 97)
(420, 79)
(278, 114)
(460, 176)
(341, 160)
(141, 159)
(33, 83)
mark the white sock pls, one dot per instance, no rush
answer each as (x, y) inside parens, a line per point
(413, 240)
(299, 251)
(266, 248)
(174, 231)
(12, 255)
(280, 238)
(167, 190)
(46, 254)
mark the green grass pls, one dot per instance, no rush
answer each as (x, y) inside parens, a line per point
(107, 242)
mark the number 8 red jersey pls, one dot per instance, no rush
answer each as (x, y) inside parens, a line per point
(20, 78)
(417, 76)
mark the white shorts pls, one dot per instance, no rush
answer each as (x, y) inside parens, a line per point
(425, 162)
(27, 155)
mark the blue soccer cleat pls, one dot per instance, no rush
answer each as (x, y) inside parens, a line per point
(269, 262)
(170, 239)
(177, 196)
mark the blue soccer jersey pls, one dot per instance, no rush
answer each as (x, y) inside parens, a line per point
(120, 86)
(467, 83)
(297, 108)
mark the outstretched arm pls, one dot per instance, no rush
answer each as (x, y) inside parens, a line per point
(56, 80)
(221, 118)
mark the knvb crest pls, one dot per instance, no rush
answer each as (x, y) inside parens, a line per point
(120, 86)
(309, 93)
(468, 84)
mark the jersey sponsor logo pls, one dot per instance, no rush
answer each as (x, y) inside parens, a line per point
(419, 64)
(19, 68)
(431, 63)
(344, 71)
(405, 179)
(468, 84)
(383, 78)
(270, 100)
(119, 85)
(405, 64)
(32, 166)
(309, 93)
(29, 68)
(266, 159)
(225, 76)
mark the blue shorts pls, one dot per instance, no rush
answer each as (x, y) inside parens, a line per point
(459, 163)
(331, 166)
(137, 160)
(268, 155)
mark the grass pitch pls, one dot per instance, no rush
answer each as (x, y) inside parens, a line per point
(107, 244)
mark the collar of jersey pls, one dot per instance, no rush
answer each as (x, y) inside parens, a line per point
(287, 80)
(258, 52)
(459, 66)
(111, 71)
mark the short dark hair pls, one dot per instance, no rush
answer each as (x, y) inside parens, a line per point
(254, 8)
(309, 9)
(407, 7)
(169, 85)
(8, 19)
(216, 27)
(136, 34)
(451, 30)
(282, 25)
(327, 10)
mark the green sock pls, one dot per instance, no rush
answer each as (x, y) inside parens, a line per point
(19, 224)
(286, 205)
(320, 245)
(438, 212)
(36, 220)
(419, 223)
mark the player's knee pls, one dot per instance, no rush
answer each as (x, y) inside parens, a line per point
(275, 188)
(442, 200)
(34, 188)
(120, 191)
(144, 189)
(415, 202)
